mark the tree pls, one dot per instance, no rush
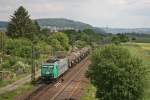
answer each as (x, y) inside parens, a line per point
(90, 36)
(133, 38)
(117, 74)
(115, 40)
(37, 25)
(72, 34)
(123, 37)
(59, 41)
(56, 45)
(18, 47)
(20, 24)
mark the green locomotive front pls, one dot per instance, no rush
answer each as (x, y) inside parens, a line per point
(49, 71)
(53, 70)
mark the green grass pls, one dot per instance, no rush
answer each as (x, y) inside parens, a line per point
(12, 94)
(7, 82)
(141, 39)
(89, 93)
(4, 83)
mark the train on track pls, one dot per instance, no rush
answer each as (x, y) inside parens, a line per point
(55, 68)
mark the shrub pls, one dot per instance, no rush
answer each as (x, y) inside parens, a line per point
(18, 47)
(117, 74)
(43, 48)
(20, 66)
(7, 64)
(59, 41)
(80, 44)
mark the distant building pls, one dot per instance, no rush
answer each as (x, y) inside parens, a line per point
(57, 29)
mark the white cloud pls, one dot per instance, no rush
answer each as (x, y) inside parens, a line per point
(116, 13)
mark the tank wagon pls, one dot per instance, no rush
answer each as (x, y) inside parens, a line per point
(55, 68)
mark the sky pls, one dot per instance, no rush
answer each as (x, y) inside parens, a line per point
(100, 13)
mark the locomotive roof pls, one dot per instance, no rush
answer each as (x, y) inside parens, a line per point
(52, 60)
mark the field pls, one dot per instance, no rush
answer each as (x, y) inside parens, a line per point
(141, 50)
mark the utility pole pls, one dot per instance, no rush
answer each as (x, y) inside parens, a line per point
(2, 47)
(33, 64)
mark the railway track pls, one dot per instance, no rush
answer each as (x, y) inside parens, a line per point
(60, 90)
(69, 90)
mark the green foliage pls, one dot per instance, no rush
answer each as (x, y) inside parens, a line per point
(123, 37)
(43, 48)
(11, 61)
(56, 45)
(59, 41)
(142, 50)
(14, 64)
(21, 24)
(90, 36)
(80, 44)
(89, 93)
(18, 47)
(43, 35)
(72, 35)
(133, 38)
(117, 74)
(87, 37)
(37, 25)
(117, 39)
(20, 65)
(20, 90)
(3, 37)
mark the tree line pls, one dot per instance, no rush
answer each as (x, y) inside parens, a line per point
(22, 32)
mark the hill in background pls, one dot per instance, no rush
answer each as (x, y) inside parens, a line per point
(127, 30)
(3, 24)
(62, 23)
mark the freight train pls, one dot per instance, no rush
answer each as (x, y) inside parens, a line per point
(55, 68)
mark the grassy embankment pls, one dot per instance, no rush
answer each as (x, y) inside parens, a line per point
(20, 90)
(141, 50)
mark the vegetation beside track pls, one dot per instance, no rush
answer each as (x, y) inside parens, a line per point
(141, 50)
(89, 93)
(10, 95)
(17, 43)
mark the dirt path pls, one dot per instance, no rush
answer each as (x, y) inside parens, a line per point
(17, 84)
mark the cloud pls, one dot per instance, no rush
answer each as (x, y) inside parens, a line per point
(115, 13)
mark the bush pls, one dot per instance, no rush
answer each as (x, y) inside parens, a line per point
(43, 48)
(80, 44)
(7, 64)
(117, 74)
(20, 66)
(59, 41)
(18, 47)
